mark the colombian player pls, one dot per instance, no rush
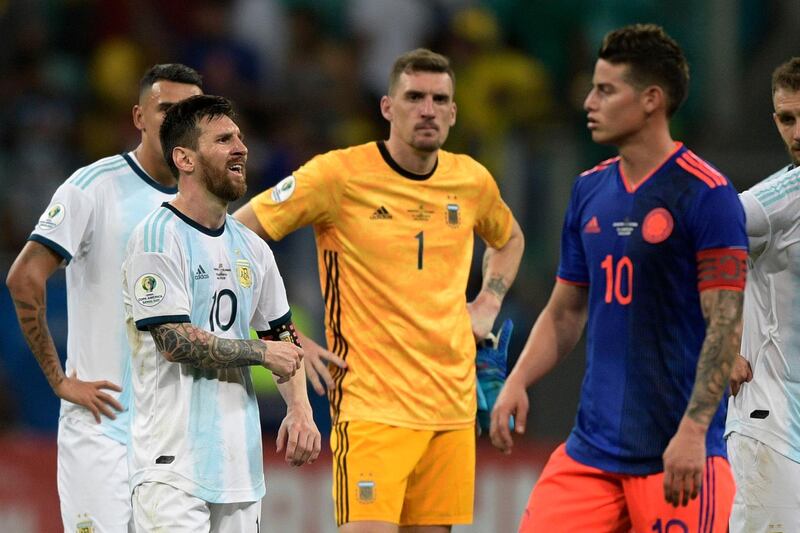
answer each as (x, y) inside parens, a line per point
(653, 261)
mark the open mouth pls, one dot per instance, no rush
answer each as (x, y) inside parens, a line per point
(237, 168)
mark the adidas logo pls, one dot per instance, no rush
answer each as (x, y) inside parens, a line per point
(593, 226)
(201, 273)
(381, 214)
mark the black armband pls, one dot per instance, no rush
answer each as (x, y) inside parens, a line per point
(286, 332)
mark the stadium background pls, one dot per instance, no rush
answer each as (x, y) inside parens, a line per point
(307, 76)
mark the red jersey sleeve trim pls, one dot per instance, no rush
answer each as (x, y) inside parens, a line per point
(570, 282)
(721, 268)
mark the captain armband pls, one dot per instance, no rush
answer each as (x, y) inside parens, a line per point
(721, 268)
(286, 332)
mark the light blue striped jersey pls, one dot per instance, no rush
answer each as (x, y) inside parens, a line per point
(88, 222)
(768, 407)
(198, 430)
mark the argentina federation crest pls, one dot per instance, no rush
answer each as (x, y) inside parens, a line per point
(245, 273)
(366, 491)
(453, 215)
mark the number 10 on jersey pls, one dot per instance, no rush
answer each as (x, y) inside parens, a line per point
(618, 275)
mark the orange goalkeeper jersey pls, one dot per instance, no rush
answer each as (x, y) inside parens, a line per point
(394, 252)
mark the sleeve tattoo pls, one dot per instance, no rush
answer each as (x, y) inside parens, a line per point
(722, 310)
(184, 343)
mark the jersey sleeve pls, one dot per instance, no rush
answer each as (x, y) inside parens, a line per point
(771, 208)
(272, 306)
(309, 196)
(64, 225)
(158, 289)
(495, 221)
(717, 225)
(572, 262)
(759, 231)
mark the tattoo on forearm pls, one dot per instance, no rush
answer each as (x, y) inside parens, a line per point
(497, 285)
(32, 316)
(723, 310)
(184, 343)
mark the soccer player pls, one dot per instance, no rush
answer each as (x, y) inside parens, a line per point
(86, 227)
(653, 261)
(763, 428)
(394, 223)
(194, 282)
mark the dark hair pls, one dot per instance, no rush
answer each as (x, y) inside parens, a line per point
(653, 58)
(787, 76)
(420, 60)
(170, 72)
(180, 126)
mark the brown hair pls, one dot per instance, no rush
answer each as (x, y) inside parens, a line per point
(787, 76)
(420, 60)
(653, 58)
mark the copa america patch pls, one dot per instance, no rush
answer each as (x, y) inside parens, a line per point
(283, 190)
(52, 217)
(149, 290)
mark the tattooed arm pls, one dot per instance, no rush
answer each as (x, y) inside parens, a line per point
(500, 267)
(684, 458)
(27, 281)
(184, 343)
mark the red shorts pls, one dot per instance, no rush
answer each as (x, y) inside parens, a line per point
(570, 496)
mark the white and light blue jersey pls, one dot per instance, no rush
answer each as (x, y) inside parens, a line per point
(768, 407)
(197, 430)
(88, 222)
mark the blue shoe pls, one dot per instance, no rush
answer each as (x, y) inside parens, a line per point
(491, 362)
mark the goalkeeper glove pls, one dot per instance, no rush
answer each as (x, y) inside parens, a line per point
(491, 362)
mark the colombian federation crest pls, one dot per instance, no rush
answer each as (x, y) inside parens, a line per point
(245, 273)
(149, 290)
(52, 217)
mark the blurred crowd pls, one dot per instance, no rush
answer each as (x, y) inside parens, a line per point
(307, 76)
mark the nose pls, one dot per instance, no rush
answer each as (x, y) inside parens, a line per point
(239, 147)
(796, 129)
(427, 107)
(590, 101)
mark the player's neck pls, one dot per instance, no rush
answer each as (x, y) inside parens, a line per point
(155, 166)
(641, 155)
(414, 161)
(200, 205)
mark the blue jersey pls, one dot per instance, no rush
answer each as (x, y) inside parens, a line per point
(645, 253)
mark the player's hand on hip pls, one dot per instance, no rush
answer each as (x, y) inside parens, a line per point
(316, 360)
(299, 435)
(283, 359)
(90, 395)
(512, 400)
(482, 312)
(684, 461)
(742, 372)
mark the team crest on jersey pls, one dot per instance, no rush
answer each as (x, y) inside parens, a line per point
(366, 491)
(453, 215)
(657, 225)
(52, 217)
(149, 290)
(245, 273)
(84, 526)
(283, 190)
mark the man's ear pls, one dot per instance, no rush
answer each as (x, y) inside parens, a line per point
(184, 159)
(137, 112)
(386, 108)
(653, 97)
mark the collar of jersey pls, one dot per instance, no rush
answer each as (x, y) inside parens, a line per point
(400, 170)
(633, 188)
(147, 179)
(202, 229)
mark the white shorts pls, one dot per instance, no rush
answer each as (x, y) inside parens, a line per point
(767, 488)
(92, 479)
(162, 507)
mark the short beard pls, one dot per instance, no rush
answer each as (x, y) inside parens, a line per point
(219, 185)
